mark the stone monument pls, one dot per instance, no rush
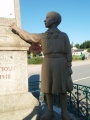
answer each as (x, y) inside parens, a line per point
(16, 103)
(56, 67)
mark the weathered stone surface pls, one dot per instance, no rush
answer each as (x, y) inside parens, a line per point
(26, 114)
(12, 13)
(11, 40)
(16, 103)
(13, 72)
(7, 21)
(18, 107)
(7, 37)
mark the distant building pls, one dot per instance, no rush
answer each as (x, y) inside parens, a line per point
(79, 52)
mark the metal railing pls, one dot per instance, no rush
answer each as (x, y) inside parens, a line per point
(78, 100)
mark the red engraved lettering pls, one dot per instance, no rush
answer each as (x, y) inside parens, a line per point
(6, 76)
(9, 76)
(3, 77)
(2, 68)
(10, 68)
(5, 68)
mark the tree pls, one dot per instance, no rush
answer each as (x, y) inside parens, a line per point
(77, 46)
(88, 50)
(35, 49)
(85, 44)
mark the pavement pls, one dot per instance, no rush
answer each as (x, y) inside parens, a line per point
(80, 62)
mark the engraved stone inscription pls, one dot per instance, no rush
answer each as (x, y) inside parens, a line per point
(13, 72)
(5, 72)
(7, 8)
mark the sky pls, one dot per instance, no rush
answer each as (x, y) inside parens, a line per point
(75, 17)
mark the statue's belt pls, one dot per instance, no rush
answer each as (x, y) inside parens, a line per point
(54, 55)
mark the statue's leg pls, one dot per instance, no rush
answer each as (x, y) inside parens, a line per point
(63, 101)
(49, 114)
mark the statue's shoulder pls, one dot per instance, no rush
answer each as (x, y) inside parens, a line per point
(63, 34)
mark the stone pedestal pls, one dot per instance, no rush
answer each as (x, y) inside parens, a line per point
(16, 103)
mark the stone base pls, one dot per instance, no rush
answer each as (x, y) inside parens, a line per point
(18, 107)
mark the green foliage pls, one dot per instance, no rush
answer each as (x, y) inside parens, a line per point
(82, 56)
(88, 50)
(35, 60)
(77, 46)
(76, 57)
(85, 44)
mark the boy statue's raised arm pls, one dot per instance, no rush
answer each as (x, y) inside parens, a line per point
(29, 37)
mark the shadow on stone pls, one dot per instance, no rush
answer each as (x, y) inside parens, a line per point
(32, 115)
(34, 85)
(43, 109)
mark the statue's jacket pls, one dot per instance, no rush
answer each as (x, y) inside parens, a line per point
(55, 77)
(56, 73)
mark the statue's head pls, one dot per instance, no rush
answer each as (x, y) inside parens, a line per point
(52, 18)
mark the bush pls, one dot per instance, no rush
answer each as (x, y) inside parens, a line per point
(76, 57)
(88, 50)
(35, 60)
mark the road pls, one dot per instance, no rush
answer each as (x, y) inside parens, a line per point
(81, 72)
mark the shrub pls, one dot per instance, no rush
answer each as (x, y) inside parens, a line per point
(89, 50)
(35, 60)
(76, 57)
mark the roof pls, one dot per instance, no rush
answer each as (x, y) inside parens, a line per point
(79, 50)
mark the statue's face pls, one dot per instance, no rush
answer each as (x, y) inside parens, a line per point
(50, 19)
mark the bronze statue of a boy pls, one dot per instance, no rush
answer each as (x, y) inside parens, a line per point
(56, 67)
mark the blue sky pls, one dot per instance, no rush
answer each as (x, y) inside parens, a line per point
(75, 17)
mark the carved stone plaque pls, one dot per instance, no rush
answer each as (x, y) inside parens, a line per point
(13, 72)
(7, 8)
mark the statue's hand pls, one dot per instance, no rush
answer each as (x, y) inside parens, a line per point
(13, 26)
